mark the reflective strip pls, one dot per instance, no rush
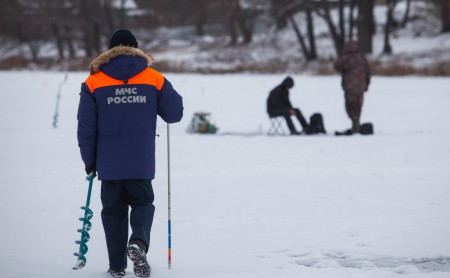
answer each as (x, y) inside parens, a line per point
(148, 77)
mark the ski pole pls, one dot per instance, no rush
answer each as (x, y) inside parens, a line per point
(58, 97)
(81, 262)
(168, 187)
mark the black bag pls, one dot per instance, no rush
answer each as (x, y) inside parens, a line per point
(366, 129)
(315, 124)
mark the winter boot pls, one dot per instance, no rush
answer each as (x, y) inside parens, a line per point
(355, 126)
(117, 273)
(136, 252)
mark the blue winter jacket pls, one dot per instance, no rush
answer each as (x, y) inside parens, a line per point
(119, 104)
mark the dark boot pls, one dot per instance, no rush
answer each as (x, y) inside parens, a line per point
(355, 124)
(117, 273)
(137, 253)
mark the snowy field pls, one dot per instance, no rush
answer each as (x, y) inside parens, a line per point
(242, 206)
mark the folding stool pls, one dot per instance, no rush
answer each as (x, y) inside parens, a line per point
(276, 126)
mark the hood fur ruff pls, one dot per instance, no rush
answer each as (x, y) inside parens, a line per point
(114, 52)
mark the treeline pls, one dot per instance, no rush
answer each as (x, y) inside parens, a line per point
(82, 27)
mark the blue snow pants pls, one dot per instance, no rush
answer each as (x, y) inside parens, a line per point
(117, 196)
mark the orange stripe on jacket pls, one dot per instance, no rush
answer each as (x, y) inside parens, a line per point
(148, 76)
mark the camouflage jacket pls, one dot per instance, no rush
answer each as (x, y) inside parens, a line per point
(354, 69)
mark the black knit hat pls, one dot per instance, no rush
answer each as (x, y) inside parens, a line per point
(288, 82)
(123, 37)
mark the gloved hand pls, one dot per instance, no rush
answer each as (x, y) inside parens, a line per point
(90, 169)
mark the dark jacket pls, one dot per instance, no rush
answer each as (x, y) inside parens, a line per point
(119, 104)
(278, 99)
(354, 69)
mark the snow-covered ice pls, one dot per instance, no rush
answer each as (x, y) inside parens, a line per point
(242, 206)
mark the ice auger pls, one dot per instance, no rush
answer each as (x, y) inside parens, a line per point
(58, 97)
(81, 262)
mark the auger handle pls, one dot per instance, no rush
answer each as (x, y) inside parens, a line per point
(90, 178)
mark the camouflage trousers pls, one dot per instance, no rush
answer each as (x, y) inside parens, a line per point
(353, 104)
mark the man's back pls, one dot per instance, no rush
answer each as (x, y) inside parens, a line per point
(119, 105)
(354, 68)
(278, 99)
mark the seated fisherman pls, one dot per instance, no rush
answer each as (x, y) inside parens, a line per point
(278, 104)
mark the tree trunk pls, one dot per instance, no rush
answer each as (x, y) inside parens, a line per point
(108, 15)
(365, 25)
(96, 36)
(199, 30)
(342, 21)
(246, 30)
(351, 19)
(87, 37)
(233, 33)
(69, 41)
(59, 40)
(387, 49)
(445, 15)
(311, 37)
(300, 37)
(122, 14)
(240, 20)
(406, 15)
(338, 43)
(200, 17)
(231, 6)
(34, 49)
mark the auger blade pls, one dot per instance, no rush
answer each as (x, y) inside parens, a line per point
(81, 262)
(84, 235)
(88, 212)
(86, 224)
(83, 247)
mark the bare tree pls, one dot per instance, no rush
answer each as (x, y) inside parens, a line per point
(93, 31)
(107, 8)
(387, 49)
(308, 52)
(406, 14)
(337, 36)
(29, 23)
(200, 16)
(338, 32)
(288, 11)
(69, 39)
(311, 36)
(239, 19)
(366, 25)
(445, 15)
(341, 21)
(279, 8)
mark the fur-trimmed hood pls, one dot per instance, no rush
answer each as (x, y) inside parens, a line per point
(106, 57)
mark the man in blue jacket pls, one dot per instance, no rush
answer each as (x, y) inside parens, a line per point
(119, 104)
